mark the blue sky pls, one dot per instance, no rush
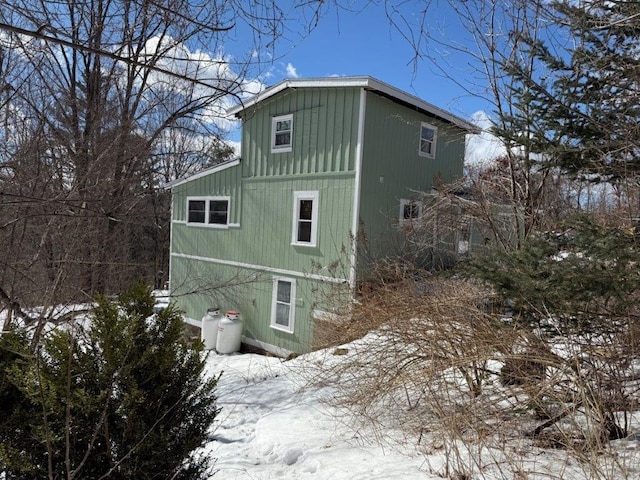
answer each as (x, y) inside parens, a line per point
(365, 43)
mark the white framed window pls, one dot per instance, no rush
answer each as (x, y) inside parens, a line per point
(305, 218)
(410, 213)
(283, 304)
(282, 133)
(428, 137)
(209, 211)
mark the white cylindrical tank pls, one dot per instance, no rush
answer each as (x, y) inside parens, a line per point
(229, 333)
(209, 330)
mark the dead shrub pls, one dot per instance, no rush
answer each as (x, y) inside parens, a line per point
(433, 361)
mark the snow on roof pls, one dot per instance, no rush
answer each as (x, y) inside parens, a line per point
(369, 83)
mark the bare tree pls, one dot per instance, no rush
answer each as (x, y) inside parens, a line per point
(101, 102)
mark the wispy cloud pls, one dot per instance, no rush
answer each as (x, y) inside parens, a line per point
(483, 148)
(291, 71)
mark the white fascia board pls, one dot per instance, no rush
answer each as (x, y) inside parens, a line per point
(202, 173)
(422, 105)
(299, 83)
(364, 82)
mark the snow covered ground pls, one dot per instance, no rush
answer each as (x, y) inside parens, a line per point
(272, 427)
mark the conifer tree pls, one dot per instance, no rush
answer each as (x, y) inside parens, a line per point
(583, 98)
(122, 398)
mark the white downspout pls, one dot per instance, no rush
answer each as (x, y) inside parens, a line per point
(356, 188)
(170, 242)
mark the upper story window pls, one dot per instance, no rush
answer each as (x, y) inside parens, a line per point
(410, 213)
(281, 133)
(305, 218)
(428, 137)
(212, 211)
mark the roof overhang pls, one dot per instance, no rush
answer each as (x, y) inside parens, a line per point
(368, 83)
(202, 173)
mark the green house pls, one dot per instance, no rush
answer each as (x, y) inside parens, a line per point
(329, 170)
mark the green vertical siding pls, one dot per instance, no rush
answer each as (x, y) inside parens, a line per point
(226, 182)
(392, 168)
(200, 285)
(233, 268)
(264, 216)
(325, 123)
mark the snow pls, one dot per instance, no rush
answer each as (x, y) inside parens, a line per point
(273, 425)
(277, 423)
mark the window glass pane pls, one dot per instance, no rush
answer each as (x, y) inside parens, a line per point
(427, 133)
(410, 211)
(427, 140)
(282, 314)
(304, 231)
(283, 125)
(218, 211)
(284, 292)
(306, 209)
(283, 138)
(196, 211)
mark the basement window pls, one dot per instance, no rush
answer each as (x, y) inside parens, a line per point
(283, 304)
(410, 213)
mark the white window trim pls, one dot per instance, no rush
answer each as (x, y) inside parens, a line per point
(292, 305)
(410, 222)
(434, 142)
(314, 197)
(274, 122)
(207, 201)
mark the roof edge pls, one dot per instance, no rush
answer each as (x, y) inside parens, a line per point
(360, 81)
(202, 173)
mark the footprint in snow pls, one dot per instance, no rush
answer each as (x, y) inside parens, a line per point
(292, 456)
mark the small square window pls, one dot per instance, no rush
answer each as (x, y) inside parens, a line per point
(428, 136)
(281, 133)
(410, 213)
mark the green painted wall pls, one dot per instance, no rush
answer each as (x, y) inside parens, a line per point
(325, 126)
(323, 159)
(226, 182)
(392, 168)
(265, 218)
(199, 285)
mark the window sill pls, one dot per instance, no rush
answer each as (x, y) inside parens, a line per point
(308, 245)
(281, 150)
(208, 225)
(281, 329)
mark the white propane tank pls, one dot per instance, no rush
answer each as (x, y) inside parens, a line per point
(209, 330)
(229, 333)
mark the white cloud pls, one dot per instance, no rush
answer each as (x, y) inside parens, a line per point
(483, 148)
(291, 71)
(235, 145)
(215, 75)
